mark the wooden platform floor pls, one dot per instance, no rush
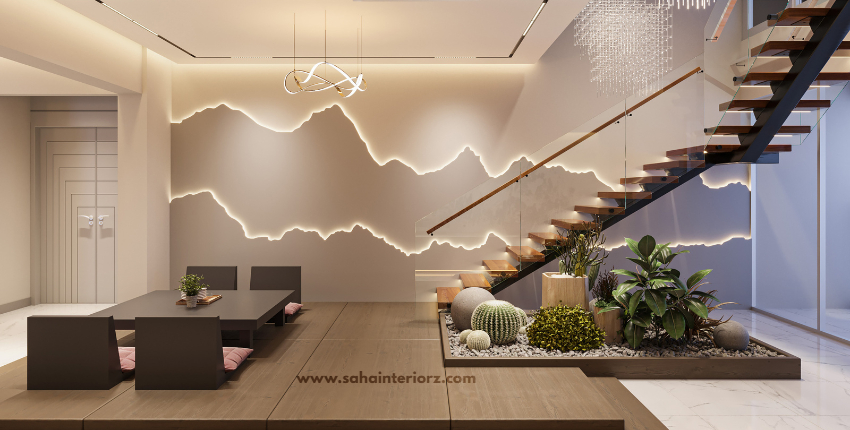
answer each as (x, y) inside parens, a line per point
(274, 388)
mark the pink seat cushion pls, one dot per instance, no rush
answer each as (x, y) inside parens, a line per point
(233, 357)
(292, 308)
(127, 354)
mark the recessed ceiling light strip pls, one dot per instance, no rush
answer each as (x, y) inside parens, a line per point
(521, 38)
(149, 30)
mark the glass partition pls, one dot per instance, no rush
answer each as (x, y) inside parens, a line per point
(505, 227)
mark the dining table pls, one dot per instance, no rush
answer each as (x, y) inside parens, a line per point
(238, 310)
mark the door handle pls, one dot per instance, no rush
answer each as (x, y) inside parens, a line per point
(100, 219)
(90, 218)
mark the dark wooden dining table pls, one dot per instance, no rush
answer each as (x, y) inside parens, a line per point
(240, 310)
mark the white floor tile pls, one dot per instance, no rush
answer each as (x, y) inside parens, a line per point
(760, 423)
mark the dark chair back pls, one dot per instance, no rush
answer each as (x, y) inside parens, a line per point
(72, 353)
(217, 277)
(179, 353)
(277, 278)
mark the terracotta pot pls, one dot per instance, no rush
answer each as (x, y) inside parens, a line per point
(610, 322)
(564, 290)
(191, 301)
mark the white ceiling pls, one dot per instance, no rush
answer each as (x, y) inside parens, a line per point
(396, 29)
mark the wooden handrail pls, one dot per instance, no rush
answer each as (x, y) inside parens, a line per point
(565, 149)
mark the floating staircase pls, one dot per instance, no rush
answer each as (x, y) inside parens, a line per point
(829, 27)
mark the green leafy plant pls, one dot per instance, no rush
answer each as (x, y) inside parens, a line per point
(580, 251)
(660, 299)
(705, 326)
(565, 328)
(603, 290)
(191, 284)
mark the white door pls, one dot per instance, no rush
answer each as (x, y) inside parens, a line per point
(79, 196)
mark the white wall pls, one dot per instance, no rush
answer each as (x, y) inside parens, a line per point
(15, 198)
(144, 165)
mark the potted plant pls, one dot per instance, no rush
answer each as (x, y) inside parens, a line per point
(660, 299)
(580, 253)
(191, 286)
(603, 297)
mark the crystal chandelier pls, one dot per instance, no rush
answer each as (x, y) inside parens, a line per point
(627, 43)
(696, 4)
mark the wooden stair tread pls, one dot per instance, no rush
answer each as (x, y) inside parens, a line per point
(744, 129)
(797, 16)
(624, 195)
(573, 224)
(676, 164)
(500, 268)
(525, 254)
(599, 210)
(446, 295)
(757, 78)
(711, 149)
(545, 239)
(782, 47)
(470, 280)
(737, 105)
(650, 180)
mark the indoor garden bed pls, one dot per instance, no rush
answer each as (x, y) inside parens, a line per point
(670, 360)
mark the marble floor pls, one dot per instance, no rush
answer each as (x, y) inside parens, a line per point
(833, 321)
(821, 400)
(13, 326)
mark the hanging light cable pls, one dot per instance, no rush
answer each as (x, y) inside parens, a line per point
(346, 84)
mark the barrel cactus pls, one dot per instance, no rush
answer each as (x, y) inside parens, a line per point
(463, 335)
(523, 318)
(499, 319)
(478, 339)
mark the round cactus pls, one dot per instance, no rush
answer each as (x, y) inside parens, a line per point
(498, 318)
(478, 339)
(463, 335)
(523, 318)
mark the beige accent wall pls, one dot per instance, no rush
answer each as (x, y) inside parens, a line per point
(144, 166)
(15, 198)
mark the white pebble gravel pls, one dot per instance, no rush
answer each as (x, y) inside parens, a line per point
(670, 348)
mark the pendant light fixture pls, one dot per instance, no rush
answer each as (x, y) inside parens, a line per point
(298, 81)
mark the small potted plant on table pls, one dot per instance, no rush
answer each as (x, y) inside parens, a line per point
(191, 286)
(580, 253)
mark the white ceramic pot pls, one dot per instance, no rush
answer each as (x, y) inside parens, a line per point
(191, 301)
(202, 294)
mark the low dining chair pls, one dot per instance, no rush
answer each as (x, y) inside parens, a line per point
(217, 277)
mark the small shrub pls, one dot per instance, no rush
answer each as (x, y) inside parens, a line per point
(565, 329)
(603, 291)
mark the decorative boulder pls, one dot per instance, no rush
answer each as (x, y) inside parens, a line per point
(499, 319)
(731, 335)
(523, 318)
(465, 303)
(523, 330)
(463, 335)
(478, 339)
